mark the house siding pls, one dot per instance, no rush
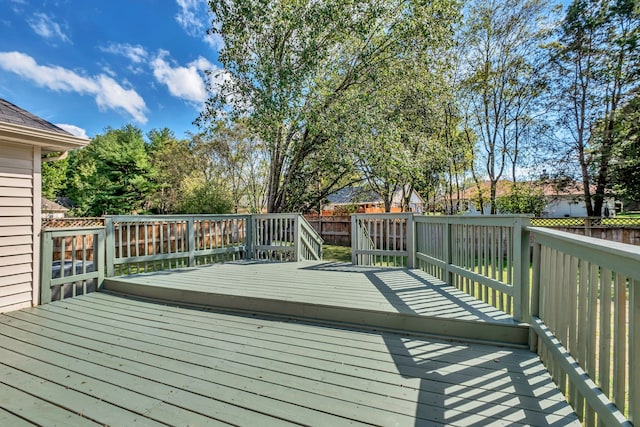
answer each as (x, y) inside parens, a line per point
(18, 227)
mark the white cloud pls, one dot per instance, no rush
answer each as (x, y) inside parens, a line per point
(44, 26)
(73, 130)
(136, 53)
(108, 93)
(186, 82)
(214, 41)
(195, 17)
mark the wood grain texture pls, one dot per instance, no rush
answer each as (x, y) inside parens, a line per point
(120, 361)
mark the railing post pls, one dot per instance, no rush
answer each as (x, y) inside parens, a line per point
(191, 236)
(354, 239)
(46, 263)
(411, 246)
(447, 252)
(248, 237)
(99, 247)
(297, 247)
(534, 307)
(520, 268)
(110, 247)
(634, 351)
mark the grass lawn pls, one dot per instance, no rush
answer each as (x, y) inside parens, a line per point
(633, 214)
(336, 253)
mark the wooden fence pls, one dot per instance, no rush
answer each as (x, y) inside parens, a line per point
(334, 230)
(621, 230)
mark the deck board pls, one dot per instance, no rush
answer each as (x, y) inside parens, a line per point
(9, 419)
(178, 366)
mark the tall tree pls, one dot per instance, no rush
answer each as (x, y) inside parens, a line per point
(112, 175)
(294, 66)
(54, 178)
(173, 162)
(238, 156)
(504, 77)
(598, 61)
(625, 167)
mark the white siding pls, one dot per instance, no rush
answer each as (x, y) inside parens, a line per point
(17, 245)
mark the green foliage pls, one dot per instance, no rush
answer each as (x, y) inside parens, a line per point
(306, 74)
(173, 162)
(597, 60)
(504, 78)
(230, 153)
(54, 176)
(625, 174)
(522, 200)
(112, 175)
(205, 198)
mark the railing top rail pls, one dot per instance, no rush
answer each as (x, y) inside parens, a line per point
(70, 231)
(499, 220)
(276, 215)
(384, 215)
(310, 229)
(145, 218)
(624, 256)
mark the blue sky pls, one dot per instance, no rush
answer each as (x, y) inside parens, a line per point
(90, 64)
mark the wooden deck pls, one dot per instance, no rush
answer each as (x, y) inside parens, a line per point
(406, 300)
(104, 359)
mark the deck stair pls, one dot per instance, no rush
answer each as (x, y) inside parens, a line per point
(389, 299)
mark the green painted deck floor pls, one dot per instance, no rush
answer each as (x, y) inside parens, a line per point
(384, 298)
(105, 359)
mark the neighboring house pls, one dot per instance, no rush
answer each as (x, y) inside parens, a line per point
(567, 200)
(24, 140)
(51, 209)
(564, 199)
(364, 200)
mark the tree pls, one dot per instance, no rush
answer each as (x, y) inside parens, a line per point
(524, 199)
(598, 62)
(293, 68)
(625, 165)
(203, 197)
(54, 177)
(503, 80)
(173, 162)
(238, 157)
(112, 175)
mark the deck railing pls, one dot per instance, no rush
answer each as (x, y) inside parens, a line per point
(586, 314)
(284, 237)
(310, 241)
(140, 243)
(486, 257)
(130, 244)
(72, 262)
(382, 240)
(580, 295)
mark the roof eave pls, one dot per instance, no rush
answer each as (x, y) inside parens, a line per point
(49, 141)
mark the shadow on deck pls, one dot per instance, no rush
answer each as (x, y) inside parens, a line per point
(298, 348)
(390, 299)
